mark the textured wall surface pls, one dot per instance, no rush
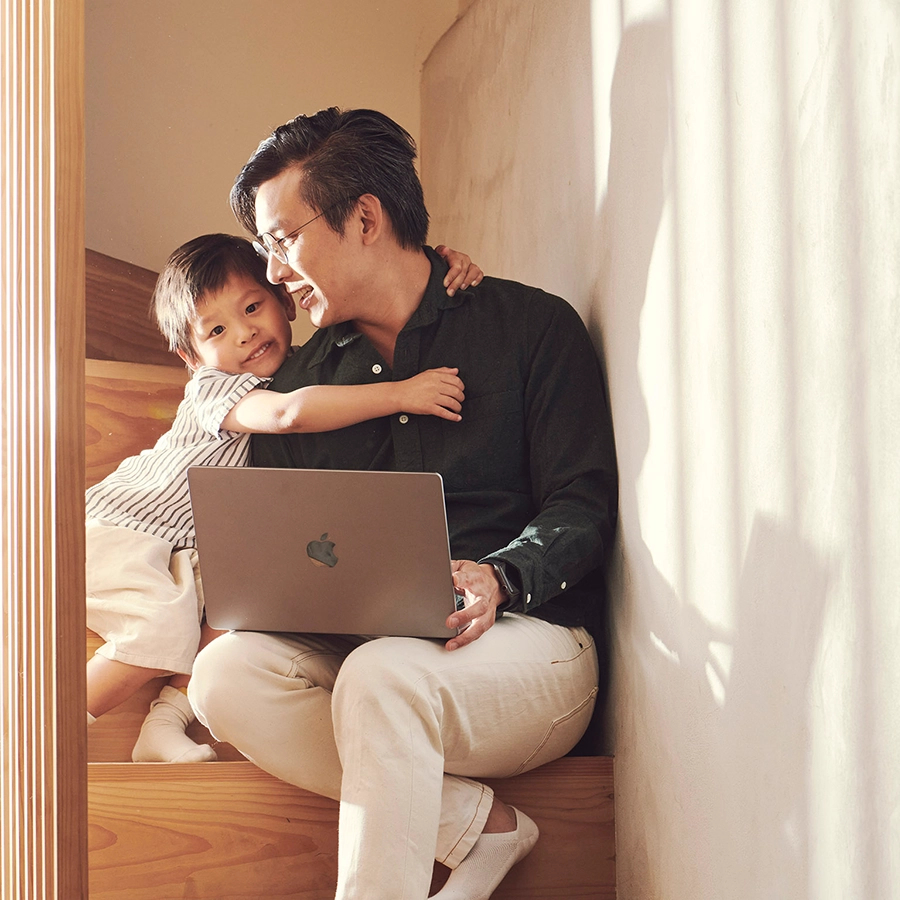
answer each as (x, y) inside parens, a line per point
(178, 95)
(715, 186)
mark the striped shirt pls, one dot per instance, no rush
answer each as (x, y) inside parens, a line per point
(149, 492)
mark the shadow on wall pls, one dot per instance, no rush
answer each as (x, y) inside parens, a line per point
(718, 731)
(711, 727)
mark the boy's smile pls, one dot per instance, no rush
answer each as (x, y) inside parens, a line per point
(242, 327)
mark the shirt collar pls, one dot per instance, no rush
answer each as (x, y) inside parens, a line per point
(434, 301)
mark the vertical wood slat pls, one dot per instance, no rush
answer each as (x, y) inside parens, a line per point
(42, 740)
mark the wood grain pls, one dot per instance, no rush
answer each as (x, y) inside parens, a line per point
(118, 321)
(228, 831)
(127, 407)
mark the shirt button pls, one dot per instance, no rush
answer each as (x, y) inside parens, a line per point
(563, 585)
(377, 368)
(528, 598)
(404, 419)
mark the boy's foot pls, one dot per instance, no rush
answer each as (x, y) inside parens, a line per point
(162, 737)
(490, 858)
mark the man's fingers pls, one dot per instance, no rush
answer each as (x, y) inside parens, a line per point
(479, 619)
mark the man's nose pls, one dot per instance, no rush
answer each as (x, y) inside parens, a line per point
(278, 271)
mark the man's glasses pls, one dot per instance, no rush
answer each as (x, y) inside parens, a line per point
(268, 243)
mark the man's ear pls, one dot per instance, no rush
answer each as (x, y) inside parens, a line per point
(188, 360)
(370, 214)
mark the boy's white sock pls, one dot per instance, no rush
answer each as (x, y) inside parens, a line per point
(162, 737)
(486, 864)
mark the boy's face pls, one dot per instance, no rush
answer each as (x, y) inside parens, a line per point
(242, 327)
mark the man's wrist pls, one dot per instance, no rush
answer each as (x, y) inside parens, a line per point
(512, 593)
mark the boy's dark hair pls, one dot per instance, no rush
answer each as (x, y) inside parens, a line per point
(196, 269)
(344, 154)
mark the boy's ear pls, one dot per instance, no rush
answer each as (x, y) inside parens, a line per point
(188, 360)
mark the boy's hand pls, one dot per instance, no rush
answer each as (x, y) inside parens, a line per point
(434, 392)
(463, 272)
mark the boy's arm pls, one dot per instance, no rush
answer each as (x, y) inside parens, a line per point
(327, 407)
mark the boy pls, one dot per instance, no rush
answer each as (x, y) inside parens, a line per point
(232, 329)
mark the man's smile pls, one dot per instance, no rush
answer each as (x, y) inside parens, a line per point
(303, 295)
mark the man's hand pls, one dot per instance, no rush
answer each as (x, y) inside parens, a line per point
(483, 594)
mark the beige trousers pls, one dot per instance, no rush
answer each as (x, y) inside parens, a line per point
(397, 729)
(143, 599)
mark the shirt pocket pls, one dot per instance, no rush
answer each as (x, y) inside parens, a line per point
(487, 449)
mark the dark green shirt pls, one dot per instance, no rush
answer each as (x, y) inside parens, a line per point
(529, 473)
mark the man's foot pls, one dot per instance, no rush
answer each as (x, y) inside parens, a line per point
(490, 858)
(162, 737)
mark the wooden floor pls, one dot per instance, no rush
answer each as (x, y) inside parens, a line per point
(228, 831)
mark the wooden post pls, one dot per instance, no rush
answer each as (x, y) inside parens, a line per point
(43, 830)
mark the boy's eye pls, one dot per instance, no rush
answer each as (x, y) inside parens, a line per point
(219, 329)
(252, 307)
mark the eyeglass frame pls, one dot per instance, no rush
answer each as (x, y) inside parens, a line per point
(280, 253)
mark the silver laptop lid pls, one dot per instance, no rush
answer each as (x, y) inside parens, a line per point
(326, 551)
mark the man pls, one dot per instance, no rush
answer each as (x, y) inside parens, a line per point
(398, 728)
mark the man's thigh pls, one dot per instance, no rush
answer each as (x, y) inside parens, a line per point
(249, 657)
(519, 696)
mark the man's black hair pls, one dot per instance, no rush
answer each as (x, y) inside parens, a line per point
(343, 154)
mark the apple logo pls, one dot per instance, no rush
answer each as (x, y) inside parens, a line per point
(321, 552)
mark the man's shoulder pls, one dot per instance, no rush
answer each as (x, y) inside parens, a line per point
(294, 371)
(524, 302)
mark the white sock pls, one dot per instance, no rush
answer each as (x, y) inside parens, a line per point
(490, 858)
(162, 737)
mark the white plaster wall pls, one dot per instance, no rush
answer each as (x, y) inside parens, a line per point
(715, 187)
(179, 94)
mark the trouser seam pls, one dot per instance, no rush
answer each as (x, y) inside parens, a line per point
(471, 822)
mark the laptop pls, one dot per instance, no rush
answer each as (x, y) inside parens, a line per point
(323, 550)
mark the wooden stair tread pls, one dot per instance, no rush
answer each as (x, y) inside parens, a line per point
(215, 831)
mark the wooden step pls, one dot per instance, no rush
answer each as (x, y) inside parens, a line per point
(228, 831)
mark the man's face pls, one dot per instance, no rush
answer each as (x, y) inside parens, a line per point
(243, 327)
(323, 267)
